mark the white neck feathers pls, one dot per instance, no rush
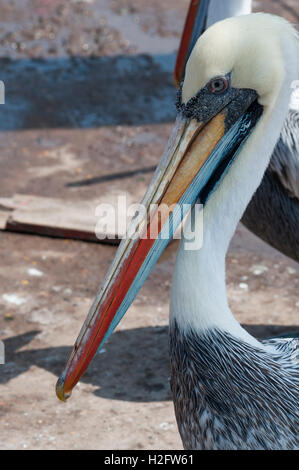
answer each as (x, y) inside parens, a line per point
(198, 297)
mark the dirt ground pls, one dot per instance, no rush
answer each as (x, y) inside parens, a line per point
(89, 94)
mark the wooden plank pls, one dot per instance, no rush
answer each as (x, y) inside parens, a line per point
(61, 218)
(4, 215)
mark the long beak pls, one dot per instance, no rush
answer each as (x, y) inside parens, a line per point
(195, 25)
(194, 152)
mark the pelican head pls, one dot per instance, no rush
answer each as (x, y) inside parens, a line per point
(252, 49)
(238, 74)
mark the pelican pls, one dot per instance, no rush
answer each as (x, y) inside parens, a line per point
(273, 212)
(230, 391)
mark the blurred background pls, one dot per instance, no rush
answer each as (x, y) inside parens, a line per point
(89, 108)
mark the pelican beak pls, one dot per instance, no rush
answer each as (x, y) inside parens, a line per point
(195, 25)
(194, 161)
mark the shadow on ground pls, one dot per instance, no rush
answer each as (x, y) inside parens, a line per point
(134, 365)
(80, 92)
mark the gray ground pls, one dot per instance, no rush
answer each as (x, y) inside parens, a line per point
(89, 93)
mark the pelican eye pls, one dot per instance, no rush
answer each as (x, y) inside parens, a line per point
(218, 85)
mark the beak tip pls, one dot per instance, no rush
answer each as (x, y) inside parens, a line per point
(60, 390)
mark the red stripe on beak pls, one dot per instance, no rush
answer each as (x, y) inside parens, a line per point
(88, 346)
(185, 42)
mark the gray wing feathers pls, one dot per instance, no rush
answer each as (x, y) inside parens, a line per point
(285, 159)
(287, 352)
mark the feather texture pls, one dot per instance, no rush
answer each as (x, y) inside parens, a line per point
(285, 160)
(230, 395)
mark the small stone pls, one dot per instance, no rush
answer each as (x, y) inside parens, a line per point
(258, 269)
(243, 285)
(56, 288)
(14, 299)
(165, 426)
(35, 272)
(68, 291)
